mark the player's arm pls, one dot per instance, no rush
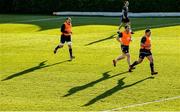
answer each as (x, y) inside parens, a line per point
(143, 40)
(119, 37)
(131, 39)
(123, 14)
(63, 29)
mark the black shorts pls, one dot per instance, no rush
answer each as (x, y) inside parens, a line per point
(65, 39)
(144, 53)
(125, 20)
(125, 49)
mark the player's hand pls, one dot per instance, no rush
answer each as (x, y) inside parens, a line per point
(121, 43)
(131, 39)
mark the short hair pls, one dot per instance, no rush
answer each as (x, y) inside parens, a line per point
(68, 18)
(126, 26)
(147, 30)
(126, 1)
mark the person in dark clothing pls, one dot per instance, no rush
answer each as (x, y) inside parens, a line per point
(145, 51)
(66, 34)
(125, 19)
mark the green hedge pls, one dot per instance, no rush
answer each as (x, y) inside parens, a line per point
(49, 6)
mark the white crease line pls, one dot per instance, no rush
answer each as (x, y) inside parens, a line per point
(142, 104)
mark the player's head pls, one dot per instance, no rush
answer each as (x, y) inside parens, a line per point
(126, 3)
(68, 20)
(127, 28)
(148, 32)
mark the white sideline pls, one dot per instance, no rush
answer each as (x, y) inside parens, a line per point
(49, 19)
(36, 20)
(142, 104)
(118, 14)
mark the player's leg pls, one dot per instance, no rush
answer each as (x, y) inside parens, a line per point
(121, 25)
(140, 60)
(69, 42)
(60, 45)
(129, 61)
(128, 58)
(118, 59)
(150, 58)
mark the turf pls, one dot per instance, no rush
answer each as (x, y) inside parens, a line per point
(33, 78)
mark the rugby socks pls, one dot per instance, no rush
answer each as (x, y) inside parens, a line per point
(57, 48)
(70, 52)
(152, 67)
(134, 64)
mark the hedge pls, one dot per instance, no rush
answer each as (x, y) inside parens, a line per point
(49, 6)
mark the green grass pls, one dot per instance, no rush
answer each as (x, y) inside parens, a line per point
(36, 79)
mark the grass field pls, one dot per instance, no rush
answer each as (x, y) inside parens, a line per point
(33, 78)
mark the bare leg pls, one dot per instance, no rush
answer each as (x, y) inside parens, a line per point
(128, 59)
(120, 57)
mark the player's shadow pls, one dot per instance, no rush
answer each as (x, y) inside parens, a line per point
(32, 69)
(120, 86)
(105, 76)
(101, 40)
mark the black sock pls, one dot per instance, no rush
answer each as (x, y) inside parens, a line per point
(134, 64)
(57, 47)
(70, 52)
(152, 67)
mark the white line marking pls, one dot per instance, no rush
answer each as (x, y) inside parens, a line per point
(49, 19)
(142, 104)
(36, 20)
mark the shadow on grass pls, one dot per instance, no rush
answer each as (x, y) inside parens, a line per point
(120, 86)
(50, 22)
(38, 67)
(108, 38)
(136, 29)
(105, 76)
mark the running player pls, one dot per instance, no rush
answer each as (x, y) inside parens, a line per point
(125, 19)
(124, 38)
(145, 51)
(66, 32)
